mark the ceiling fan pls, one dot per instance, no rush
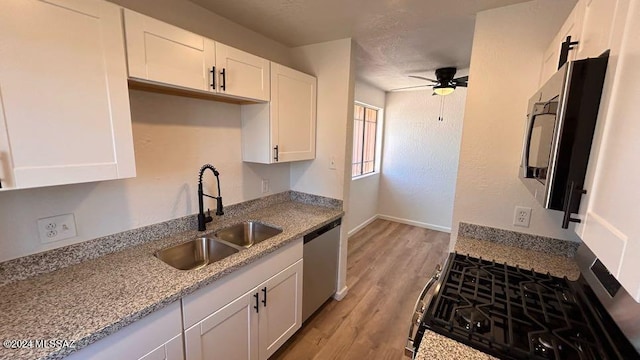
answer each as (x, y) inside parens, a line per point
(445, 83)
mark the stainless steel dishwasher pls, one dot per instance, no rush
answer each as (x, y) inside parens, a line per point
(320, 272)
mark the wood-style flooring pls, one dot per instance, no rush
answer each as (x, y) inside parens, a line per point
(387, 265)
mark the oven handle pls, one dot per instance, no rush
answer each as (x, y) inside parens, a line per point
(418, 312)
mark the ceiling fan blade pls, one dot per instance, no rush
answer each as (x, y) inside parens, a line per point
(411, 87)
(461, 84)
(423, 78)
(462, 78)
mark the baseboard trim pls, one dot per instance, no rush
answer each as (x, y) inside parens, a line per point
(361, 226)
(339, 295)
(415, 223)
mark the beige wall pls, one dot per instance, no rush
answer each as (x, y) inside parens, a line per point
(505, 69)
(333, 63)
(363, 196)
(173, 137)
(192, 17)
(420, 156)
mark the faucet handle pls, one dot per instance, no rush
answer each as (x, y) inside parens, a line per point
(208, 212)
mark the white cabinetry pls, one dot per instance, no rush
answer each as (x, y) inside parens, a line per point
(598, 25)
(156, 337)
(163, 53)
(241, 73)
(571, 27)
(64, 102)
(610, 209)
(285, 129)
(250, 314)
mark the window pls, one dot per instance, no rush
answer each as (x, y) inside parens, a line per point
(365, 126)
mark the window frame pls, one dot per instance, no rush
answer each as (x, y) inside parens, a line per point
(377, 140)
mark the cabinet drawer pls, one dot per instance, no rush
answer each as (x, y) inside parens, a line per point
(207, 300)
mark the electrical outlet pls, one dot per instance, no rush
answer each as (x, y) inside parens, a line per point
(522, 216)
(265, 186)
(57, 228)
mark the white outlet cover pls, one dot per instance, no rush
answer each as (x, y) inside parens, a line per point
(522, 216)
(57, 228)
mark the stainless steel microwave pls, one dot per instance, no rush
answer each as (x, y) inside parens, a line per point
(561, 121)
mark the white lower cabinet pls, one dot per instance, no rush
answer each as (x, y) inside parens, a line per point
(156, 337)
(229, 333)
(250, 314)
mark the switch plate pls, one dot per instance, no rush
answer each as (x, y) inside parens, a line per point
(332, 162)
(522, 216)
(57, 228)
(265, 186)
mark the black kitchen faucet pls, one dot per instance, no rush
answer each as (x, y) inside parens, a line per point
(202, 218)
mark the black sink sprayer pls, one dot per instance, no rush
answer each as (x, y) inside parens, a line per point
(202, 218)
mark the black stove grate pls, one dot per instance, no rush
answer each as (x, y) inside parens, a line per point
(514, 313)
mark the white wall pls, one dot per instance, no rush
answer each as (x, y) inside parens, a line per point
(173, 137)
(505, 69)
(363, 196)
(333, 63)
(420, 157)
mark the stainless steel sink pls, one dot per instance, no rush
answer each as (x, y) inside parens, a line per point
(195, 253)
(246, 234)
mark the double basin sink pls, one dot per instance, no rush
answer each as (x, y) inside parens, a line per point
(203, 251)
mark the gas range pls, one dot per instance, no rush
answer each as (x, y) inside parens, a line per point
(514, 313)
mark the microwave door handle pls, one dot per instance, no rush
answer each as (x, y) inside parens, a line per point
(527, 145)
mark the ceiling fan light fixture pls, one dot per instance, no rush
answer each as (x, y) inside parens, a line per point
(443, 90)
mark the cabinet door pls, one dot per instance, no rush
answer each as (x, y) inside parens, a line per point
(229, 333)
(610, 223)
(571, 27)
(597, 27)
(158, 336)
(164, 53)
(293, 114)
(282, 302)
(242, 74)
(64, 102)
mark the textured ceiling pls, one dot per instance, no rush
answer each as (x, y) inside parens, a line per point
(394, 38)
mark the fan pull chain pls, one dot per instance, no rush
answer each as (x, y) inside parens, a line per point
(441, 116)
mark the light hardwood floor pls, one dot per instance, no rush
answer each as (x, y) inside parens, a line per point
(387, 265)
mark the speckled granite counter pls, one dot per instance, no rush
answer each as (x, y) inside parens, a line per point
(88, 301)
(435, 346)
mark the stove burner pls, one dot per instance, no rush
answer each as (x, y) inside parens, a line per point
(475, 274)
(535, 287)
(546, 345)
(473, 319)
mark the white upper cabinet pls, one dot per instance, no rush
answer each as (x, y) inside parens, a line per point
(571, 27)
(242, 74)
(597, 27)
(64, 102)
(285, 129)
(609, 211)
(164, 53)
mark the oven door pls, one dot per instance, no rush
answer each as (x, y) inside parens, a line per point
(418, 314)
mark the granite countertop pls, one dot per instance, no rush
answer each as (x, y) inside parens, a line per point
(436, 346)
(91, 300)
